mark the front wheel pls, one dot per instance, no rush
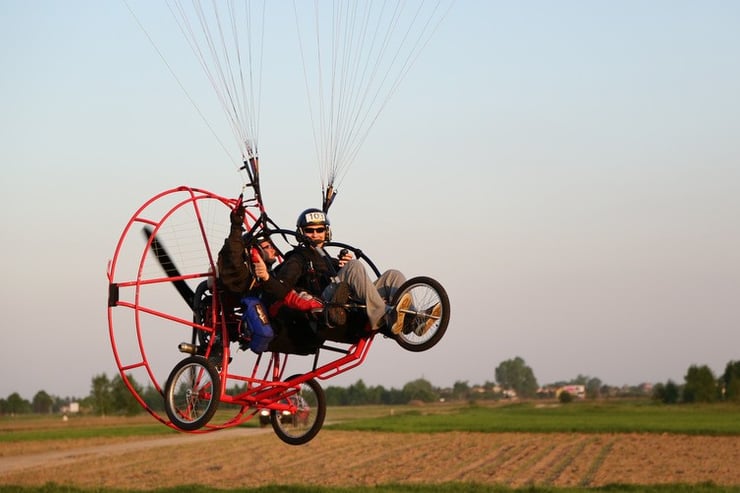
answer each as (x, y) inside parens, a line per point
(301, 413)
(192, 393)
(426, 319)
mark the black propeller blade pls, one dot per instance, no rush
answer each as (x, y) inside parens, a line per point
(169, 267)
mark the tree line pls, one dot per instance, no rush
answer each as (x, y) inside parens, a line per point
(513, 378)
(701, 385)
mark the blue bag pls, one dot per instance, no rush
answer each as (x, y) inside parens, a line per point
(256, 321)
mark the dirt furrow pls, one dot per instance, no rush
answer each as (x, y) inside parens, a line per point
(254, 457)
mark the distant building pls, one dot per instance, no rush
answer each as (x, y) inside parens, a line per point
(509, 394)
(578, 391)
(72, 408)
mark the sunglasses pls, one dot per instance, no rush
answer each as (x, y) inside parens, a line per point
(314, 230)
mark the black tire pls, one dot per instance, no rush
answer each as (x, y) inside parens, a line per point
(192, 393)
(426, 293)
(303, 424)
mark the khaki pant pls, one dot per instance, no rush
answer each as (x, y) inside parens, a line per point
(376, 295)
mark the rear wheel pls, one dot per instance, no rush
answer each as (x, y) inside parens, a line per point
(192, 393)
(425, 321)
(305, 413)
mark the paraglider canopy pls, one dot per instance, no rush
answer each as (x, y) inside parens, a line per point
(354, 54)
(362, 52)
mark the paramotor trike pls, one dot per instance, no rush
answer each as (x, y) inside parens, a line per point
(215, 386)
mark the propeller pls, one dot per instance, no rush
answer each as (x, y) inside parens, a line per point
(169, 267)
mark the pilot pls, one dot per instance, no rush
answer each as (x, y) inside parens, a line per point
(309, 268)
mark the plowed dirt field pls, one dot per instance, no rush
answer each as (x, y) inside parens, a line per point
(255, 457)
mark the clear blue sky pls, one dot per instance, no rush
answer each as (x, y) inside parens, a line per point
(570, 171)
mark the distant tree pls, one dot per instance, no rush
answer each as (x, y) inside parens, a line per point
(580, 380)
(672, 392)
(42, 403)
(15, 404)
(730, 382)
(460, 390)
(394, 396)
(700, 386)
(357, 393)
(667, 393)
(59, 403)
(100, 395)
(153, 398)
(658, 391)
(565, 397)
(122, 400)
(335, 396)
(515, 374)
(374, 395)
(593, 388)
(419, 390)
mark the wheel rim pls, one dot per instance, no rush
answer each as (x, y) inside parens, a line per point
(306, 416)
(192, 393)
(416, 328)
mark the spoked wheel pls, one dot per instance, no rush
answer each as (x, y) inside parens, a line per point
(304, 415)
(192, 393)
(426, 318)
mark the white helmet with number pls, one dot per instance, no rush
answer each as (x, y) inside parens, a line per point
(313, 217)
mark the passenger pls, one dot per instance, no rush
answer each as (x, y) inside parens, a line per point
(297, 300)
(235, 274)
(267, 251)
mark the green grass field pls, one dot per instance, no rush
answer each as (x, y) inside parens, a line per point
(583, 417)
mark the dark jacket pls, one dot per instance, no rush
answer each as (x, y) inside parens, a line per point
(303, 269)
(233, 269)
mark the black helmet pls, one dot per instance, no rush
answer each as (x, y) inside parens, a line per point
(313, 217)
(254, 238)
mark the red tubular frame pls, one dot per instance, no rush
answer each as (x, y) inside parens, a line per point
(264, 385)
